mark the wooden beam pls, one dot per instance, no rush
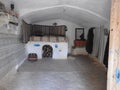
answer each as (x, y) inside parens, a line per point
(113, 80)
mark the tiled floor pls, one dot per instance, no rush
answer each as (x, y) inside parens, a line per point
(80, 73)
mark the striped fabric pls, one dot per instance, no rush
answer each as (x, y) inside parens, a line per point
(48, 39)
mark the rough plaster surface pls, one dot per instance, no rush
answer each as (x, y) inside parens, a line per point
(11, 53)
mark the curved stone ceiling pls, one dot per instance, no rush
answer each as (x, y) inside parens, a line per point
(84, 12)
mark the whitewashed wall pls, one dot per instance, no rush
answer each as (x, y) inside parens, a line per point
(99, 44)
(12, 53)
(70, 26)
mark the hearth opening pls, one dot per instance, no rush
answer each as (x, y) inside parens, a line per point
(47, 51)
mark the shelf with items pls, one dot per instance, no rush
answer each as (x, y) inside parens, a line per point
(8, 23)
(9, 15)
(13, 19)
(6, 18)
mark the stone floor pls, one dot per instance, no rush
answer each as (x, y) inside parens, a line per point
(76, 73)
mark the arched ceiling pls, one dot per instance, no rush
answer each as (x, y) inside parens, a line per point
(83, 12)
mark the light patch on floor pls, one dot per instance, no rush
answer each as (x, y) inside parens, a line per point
(81, 73)
(71, 58)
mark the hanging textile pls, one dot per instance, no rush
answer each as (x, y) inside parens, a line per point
(25, 32)
(89, 44)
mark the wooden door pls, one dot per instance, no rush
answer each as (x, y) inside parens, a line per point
(113, 82)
